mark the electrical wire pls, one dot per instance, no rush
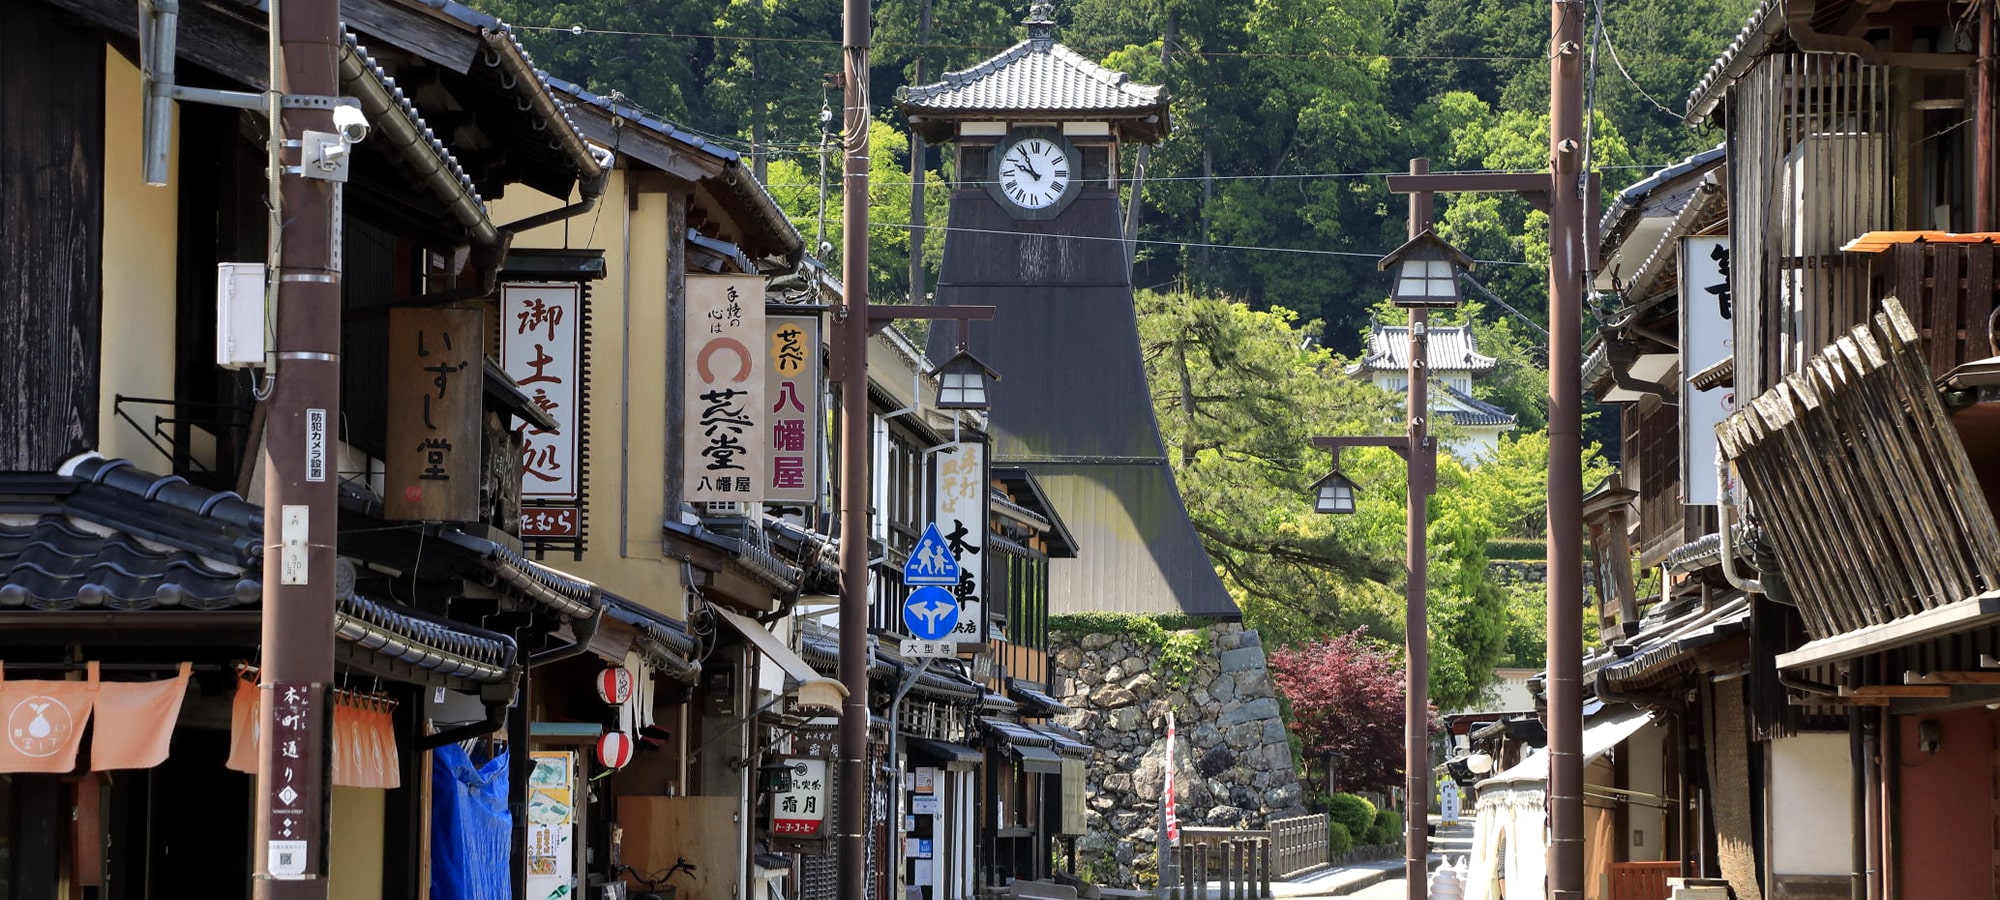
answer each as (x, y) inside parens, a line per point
(580, 31)
(1184, 244)
(1613, 50)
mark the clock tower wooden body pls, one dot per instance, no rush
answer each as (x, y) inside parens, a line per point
(1035, 230)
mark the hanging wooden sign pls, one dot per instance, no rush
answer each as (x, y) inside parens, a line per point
(432, 461)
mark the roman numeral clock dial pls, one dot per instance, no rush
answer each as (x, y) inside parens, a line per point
(1033, 175)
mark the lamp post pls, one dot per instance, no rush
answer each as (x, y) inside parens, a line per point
(854, 323)
(1427, 272)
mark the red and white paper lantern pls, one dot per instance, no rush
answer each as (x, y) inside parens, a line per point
(614, 685)
(614, 749)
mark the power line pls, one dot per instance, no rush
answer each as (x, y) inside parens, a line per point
(581, 31)
(1184, 244)
(1613, 49)
(1280, 177)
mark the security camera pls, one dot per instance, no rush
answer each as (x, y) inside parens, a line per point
(351, 123)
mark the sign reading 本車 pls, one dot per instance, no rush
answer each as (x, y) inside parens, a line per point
(961, 519)
(791, 384)
(727, 416)
(431, 465)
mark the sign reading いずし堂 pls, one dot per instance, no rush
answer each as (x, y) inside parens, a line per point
(431, 464)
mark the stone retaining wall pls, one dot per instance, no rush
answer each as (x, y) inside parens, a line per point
(1233, 766)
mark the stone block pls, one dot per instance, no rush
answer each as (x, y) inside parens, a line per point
(1253, 711)
(1242, 659)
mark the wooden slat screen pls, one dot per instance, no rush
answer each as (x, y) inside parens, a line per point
(1862, 484)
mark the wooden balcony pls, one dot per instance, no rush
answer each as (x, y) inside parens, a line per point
(1864, 489)
(1946, 285)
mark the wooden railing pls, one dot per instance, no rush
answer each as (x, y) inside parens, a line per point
(1948, 290)
(1298, 845)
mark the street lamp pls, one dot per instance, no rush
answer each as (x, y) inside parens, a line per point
(962, 381)
(1427, 271)
(1334, 494)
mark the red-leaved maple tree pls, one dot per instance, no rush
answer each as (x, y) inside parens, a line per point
(1347, 700)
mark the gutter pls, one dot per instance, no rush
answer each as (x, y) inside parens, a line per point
(398, 123)
(503, 53)
(589, 191)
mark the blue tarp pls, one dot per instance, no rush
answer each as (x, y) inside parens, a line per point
(469, 826)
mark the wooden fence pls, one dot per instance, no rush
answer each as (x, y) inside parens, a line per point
(1298, 845)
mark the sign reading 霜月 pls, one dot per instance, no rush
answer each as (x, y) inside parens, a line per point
(727, 415)
(791, 384)
(961, 518)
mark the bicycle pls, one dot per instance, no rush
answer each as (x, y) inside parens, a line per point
(655, 882)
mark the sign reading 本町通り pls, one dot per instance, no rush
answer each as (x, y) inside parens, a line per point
(727, 417)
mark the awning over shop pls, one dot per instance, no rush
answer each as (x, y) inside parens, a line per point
(1031, 747)
(1035, 702)
(663, 642)
(958, 757)
(1065, 741)
(768, 645)
(1600, 734)
(1671, 649)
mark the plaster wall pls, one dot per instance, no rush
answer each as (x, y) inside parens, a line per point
(629, 364)
(1643, 757)
(141, 229)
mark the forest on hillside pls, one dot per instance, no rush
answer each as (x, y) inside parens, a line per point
(1287, 115)
(1263, 215)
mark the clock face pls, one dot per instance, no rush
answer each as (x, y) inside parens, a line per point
(1034, 173)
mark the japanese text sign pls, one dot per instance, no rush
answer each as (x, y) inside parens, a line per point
(791, 384)
(294, 735)
(801, 811)
(1707, 337)
(727, 414)
(437, 365)
(961, 517)
(551, 824)
(541, 348)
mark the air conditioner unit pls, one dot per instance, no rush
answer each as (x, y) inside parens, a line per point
(239, 315)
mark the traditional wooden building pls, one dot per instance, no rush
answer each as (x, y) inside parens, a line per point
(1452, 353)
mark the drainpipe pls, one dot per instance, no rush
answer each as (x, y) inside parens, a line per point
(589, 192)
(895, 747)
(1857, 844)
(1746, 585)
(1982, 130)
(582, 631)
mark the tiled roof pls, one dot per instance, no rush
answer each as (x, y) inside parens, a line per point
(1476, 412)
(108, 537)
(1766, 24)
(1451, 348)
(1034, 75)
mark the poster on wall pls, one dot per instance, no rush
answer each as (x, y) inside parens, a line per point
(961, 518)
(552, 825)
(724, 443)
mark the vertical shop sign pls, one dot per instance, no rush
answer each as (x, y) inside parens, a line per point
(295, 737)
(552, 825)
(791, 384)
(436, 371)
(961, 518)
(1707, 337)
(541, 348)
(727, 414)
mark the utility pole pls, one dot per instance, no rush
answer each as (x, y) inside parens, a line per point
(918, 274)
(1567, 260)
(299, 485)
(851, 368)
(1422, 458)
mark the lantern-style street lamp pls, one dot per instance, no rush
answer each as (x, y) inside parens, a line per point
(1427, 271)
(962, 381)
(1334, 494)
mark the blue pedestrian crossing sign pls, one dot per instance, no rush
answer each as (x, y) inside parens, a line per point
(931, 613)
(932, 561)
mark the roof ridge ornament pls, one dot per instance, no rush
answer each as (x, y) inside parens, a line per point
(1041, 24)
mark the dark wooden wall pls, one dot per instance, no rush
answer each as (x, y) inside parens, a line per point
(51, 213)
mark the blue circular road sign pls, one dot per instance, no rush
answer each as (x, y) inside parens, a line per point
(930, 613)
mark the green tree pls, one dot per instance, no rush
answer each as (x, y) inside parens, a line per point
(797, 190)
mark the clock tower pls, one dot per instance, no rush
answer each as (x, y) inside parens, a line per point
(1034, 230)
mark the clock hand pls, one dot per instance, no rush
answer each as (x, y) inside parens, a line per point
(1031, 169)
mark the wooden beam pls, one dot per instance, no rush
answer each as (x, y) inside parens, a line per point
(1886, 691)
(1949, 678)
(1836, 701)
